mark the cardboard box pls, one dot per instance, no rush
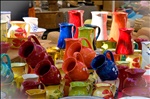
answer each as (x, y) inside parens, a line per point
(107, 5)
(49, 19)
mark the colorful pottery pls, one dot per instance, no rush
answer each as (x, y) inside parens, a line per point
(122, 75)
(3, 25)
(36, 94)
(78, 88)
(74, 67)
(7, 75)
(105, 90)
(76, 18)
(96, 33)
(32, 52)
(119, 21)
(105, 68)
(145, 53)
(54, 91)
(65, 32)
(125, 44)
(99, 18)
(134, 78)
(48, 73)
(18, 29)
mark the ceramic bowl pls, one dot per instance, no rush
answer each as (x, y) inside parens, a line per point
(4, 47)
(38, 33)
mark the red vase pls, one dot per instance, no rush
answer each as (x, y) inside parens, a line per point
(134, 78)
(76, 18)
(125, 45)
(119, 21)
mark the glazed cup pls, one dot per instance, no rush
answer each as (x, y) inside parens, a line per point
(36, 94)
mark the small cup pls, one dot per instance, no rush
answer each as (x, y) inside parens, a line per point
(18, 68)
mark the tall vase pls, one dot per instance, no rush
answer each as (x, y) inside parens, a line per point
(119, 21)
(76, 18)
(125, 45)
(99, 18)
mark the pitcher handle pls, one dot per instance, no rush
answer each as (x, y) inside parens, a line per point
(83, 38)
(78, 57)
(34, 38)
(98, 33)
(74, 30)
(8, 60)
(110, 53)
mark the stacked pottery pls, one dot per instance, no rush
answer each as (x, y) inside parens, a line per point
(42, 65)
(77, 63)
(106, 69)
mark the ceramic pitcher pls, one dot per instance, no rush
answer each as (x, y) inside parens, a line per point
(99, 18)
(105, 67)
(119, 21)
(105, 90)
(88, 33)
(18, 29)
(67, 30)
(76, 18)
(68, 42)
(125, 44)
(96, 35)
(74, 67)
(87, 52)
(7, 75)
(79, 88)
(145, 53)
(48, 73)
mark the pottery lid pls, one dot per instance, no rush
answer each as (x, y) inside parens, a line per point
(78, 83)
(145, 42)
(27, 76)
(5, 12)
(17, 64)
(122, 62)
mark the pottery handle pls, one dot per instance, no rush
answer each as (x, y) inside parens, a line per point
(41, 86)
(110, 53)
(74, 30)
(78, 57)
(83, 38)
(34, 38)
(8, 60)
(98, 32)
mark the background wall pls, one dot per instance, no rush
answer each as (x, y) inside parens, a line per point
(18, 9)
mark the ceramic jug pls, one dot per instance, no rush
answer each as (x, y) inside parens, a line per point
(76, 18)
(68, 42)
(54, 91)
(105, 90)
(119, 21)
(18, 29)
(99, 18)
(145, 53)
(48, 73)
(79, 88)
(67, 30)
(125, 44)
(32, 51)
(87, 52)
(96, 33)
(7, 75)
(134, 78)
(105, 67)
(74, 67)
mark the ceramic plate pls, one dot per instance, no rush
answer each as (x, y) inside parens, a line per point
(81, 97)
(39, 30)
(136, 91)
(134, 97)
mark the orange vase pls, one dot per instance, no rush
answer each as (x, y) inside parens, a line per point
(119, 21)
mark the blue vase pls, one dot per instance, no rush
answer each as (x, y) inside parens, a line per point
(67, 30)
(104, 67)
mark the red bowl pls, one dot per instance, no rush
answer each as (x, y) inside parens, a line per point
(4, 47)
